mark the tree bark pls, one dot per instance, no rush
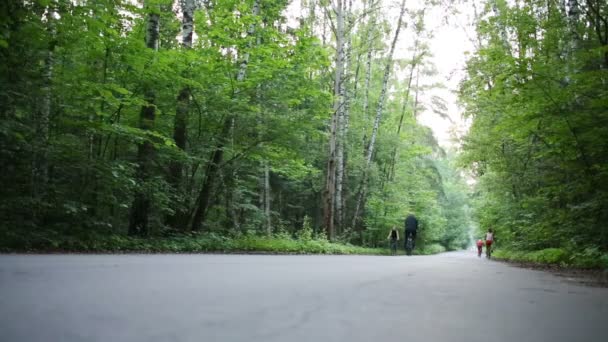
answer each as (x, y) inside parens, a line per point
(180, 123)
(217, 156)
(343, 116)
(379, 109)
(140, 209)
(368, 75)
(391, 170)
(329, 215)
(183, 99)
(40, 169)
(267, 199)
(243, 64)
(573, 21)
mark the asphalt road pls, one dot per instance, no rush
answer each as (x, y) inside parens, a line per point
(448, 297)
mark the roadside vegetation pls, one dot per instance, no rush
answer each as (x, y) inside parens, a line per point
(187, 126)
(537, 98)
(194, 243)
(588, 258)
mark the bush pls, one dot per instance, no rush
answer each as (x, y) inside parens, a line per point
(549, 256)
(586, 258)
(305, 234)
(589, 258)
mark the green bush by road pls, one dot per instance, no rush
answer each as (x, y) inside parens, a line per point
(585, 258)
(196, 243)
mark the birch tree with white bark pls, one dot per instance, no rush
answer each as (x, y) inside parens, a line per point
(378, 117)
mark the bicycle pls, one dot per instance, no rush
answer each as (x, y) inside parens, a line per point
(409, 244)
(393, 244)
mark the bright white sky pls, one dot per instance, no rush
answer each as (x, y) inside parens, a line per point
(450, 42)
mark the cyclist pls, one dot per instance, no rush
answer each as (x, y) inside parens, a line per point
(393, 235)
(489, 242)
(411, 226)
(479, 247)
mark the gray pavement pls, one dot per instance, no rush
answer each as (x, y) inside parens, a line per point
(447, 297)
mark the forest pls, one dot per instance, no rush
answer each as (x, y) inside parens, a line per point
(200, 123)
(538, 144)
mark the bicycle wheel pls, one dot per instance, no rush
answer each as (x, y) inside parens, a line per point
(409, 246)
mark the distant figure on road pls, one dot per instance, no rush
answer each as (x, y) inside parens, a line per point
(393, 235)
(411, 227)
(479, 247)
(489, 241)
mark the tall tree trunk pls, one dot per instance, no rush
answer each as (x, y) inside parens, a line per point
(183, 99)
(336, 121)
(204, 197)
(368, 75)
(140, 209)
(391, 170)
(379, 109)
(250, 32)
(359, 52)
(343, 117)
(180, 123)
(217, 156)
(267, 199)
(40, 169)
(573, 22)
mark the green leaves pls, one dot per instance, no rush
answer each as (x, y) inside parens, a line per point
(536, 129)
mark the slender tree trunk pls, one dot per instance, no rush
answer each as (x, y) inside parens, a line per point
(324, 31)
(180, 123)
(343, 117)
(573, 22)
(183, 99)
(368, 77)
(267, 199)
(250, 32)
(335, 128)
(391, 170)
(40, 169)
(204, 197)
(140, 209)
(379, 109)
(360, 53)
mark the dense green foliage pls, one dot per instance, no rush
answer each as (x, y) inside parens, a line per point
(109, 129)
(536, 92)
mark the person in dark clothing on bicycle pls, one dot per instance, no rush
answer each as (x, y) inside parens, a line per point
(411, 227)
(393, 235)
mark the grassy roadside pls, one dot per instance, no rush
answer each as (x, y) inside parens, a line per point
(589, 258)
(199, 243)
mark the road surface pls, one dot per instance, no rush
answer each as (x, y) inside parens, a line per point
(447, 297)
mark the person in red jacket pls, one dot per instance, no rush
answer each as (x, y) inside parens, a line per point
(479, 247)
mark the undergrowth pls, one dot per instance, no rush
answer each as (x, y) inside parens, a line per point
(281, 243)
(581, 258)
